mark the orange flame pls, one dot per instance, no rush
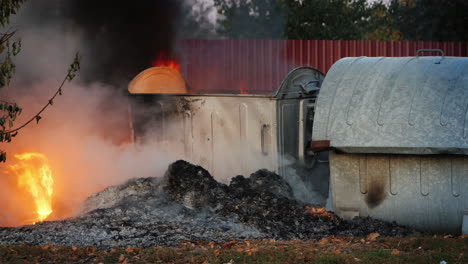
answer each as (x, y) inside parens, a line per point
(319, 212)
(242, 88)
(164, 60)
(34, 175)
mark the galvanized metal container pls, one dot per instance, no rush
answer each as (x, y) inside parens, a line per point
(399, 127)
(239, 134)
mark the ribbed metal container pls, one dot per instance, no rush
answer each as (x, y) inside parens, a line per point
(400, 128)
(239, 134)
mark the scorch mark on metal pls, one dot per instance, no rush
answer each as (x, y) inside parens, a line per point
(376, 194)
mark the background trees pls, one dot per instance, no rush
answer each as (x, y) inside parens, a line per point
(431, 20)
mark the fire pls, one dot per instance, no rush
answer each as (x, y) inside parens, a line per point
(34, 175)
(242, 88)
(319, 212)
(164, 60)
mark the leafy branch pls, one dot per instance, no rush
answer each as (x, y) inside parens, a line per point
(11, 111)
(8, 8)
(7, 67)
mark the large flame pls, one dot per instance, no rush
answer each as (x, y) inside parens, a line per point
(34, 175)
(166, 61)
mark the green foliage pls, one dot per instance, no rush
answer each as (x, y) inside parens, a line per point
(9, 49)
(305, 19)
(328, 19)
(430, 20)
(252, 19)
(72, 70)
(8, 8)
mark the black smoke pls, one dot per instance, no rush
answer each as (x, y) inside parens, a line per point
(117, 39)
(122, 37)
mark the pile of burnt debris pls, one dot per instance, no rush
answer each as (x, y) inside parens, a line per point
(189, 204)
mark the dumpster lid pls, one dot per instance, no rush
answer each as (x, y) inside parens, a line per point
(409, 105)
(300, 82)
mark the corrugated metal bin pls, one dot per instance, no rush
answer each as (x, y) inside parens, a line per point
(239, 134)
(399, 127)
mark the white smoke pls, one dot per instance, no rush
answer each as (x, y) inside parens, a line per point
(85, 133)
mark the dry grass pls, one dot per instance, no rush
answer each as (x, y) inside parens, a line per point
(327, 251)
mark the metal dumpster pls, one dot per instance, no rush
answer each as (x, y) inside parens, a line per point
(399, 130)
(239, 134)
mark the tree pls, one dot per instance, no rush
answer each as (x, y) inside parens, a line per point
(294, 19)
(9, 49)
(328, 19)
(430, 20)
(252, 18)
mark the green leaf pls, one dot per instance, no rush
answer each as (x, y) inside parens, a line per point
(10, 124)
(2, 121)
(38, 118)
(14, 134)
(51, 102)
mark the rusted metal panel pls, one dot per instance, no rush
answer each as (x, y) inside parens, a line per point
(259, 65)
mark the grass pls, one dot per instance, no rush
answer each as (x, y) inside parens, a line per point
(327, 251)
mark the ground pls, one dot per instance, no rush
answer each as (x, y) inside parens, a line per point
(371, 249)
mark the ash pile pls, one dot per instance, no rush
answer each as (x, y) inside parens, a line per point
(188, 204)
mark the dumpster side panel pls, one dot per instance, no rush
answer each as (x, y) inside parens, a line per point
(228, 135)
(425, 192)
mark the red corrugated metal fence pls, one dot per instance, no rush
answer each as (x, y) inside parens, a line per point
(259, 66)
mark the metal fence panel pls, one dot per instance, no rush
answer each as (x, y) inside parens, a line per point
(259, 65)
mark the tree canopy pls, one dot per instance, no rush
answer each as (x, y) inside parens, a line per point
(430, 20)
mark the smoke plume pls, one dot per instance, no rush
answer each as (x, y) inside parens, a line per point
(86, 133)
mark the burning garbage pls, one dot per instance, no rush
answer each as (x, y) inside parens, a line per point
(188, 204)
(35, 176)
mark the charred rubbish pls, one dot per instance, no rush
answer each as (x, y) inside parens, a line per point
(188, 204)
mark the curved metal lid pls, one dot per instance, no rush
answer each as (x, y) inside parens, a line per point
(300, 82)
(158, 80)
(410, 105)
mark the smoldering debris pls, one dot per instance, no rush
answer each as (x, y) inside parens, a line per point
(187, 204)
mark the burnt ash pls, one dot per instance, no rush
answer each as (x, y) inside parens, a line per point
(188, 204)
(264, 201)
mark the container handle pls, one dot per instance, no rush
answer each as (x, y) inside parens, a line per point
(442, 55)
(304, 86)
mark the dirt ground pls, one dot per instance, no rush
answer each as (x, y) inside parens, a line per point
(370, 249)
